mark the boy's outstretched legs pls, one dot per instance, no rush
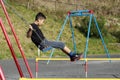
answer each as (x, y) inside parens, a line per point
(60, 45)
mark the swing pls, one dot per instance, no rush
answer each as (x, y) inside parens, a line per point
(45, 49)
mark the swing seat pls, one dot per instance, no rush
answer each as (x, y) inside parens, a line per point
(46, 49)
(43, 49)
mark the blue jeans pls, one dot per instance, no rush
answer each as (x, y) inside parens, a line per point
(54, 44)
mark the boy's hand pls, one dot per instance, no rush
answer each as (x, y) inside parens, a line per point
(31, 27)
(29, 32)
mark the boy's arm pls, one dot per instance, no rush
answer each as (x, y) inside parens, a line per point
(29, 32)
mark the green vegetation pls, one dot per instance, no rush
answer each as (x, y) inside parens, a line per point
(51, 29)
(94, 32)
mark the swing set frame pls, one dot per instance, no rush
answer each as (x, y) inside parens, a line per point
(88, 13)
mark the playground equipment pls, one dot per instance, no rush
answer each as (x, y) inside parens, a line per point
(17, 41)
(68, 17)
(60, 59)
(2, 77)
(65, 59)
(71, 14)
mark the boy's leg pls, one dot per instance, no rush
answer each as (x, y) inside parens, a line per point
(56, 44)
(73, 56)
(66, 50)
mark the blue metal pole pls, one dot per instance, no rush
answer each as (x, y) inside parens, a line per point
(106, 50)
(73, 37)
(59, 35)
(88, 34)
(62, 27)
(80, 11)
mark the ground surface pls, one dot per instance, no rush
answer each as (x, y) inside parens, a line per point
(64, 69)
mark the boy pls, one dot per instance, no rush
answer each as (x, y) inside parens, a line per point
(39, 39)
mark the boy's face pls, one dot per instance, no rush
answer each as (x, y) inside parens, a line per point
(41, 22)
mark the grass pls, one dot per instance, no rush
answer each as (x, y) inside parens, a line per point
(51, 29)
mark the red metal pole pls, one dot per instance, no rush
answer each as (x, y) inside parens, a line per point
(17, 41)
(11, 49)
(36, 69)
(86, 68)
(2, 77)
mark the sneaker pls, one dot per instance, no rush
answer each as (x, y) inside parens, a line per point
(76, 57)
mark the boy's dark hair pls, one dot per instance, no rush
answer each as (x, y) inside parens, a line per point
(40, 16)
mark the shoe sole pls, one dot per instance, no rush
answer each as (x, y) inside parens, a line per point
(81, 55)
